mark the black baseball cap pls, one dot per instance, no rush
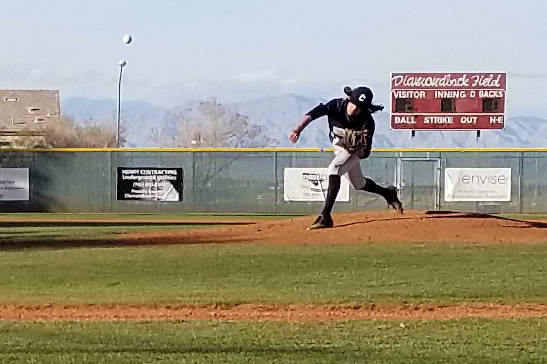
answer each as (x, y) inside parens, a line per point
(360, 96)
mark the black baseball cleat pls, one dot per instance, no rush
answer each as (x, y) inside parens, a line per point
(322, 222)
(393, 200)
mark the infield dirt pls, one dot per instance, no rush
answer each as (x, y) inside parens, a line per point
(248, 312)
(413, 226)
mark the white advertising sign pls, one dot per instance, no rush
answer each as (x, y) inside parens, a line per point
(310, 184)
(477, 184)
(14, 185)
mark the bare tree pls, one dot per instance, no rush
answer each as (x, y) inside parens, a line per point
(211, 124)
(64, 132)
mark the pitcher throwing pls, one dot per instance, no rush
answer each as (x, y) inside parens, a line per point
(351, 130)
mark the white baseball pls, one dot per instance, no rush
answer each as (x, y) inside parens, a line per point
(127, 38)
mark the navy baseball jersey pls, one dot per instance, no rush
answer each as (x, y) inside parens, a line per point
(335, 109)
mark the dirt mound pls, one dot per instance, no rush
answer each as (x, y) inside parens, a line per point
(248, 312)
(413, 226)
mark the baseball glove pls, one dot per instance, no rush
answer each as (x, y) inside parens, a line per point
(357, 141)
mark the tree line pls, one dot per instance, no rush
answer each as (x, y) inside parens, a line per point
(207, 124)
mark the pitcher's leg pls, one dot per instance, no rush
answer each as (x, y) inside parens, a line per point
(339, 164)
(371, 186)
(355, 174)
(335, 170)
(359, 182)
(332, 193)
(389, 193)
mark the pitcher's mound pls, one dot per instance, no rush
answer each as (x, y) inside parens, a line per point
(413, 226)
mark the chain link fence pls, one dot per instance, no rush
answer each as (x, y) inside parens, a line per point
(251, 181)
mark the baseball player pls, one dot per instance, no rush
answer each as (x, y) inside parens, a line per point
(351, 130)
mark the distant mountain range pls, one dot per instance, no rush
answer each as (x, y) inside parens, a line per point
(279, 114)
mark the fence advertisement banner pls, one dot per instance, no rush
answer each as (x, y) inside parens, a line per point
(14, 184)
(150, 184)
(477, 184)
(310, 184)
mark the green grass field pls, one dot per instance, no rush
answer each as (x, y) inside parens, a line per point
(48, 229)
(281, 274)
(40, 273)
(454, 341)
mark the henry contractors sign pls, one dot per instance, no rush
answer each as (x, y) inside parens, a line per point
(149, 184)
(454, 101)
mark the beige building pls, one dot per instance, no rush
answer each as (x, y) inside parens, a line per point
(23, 112)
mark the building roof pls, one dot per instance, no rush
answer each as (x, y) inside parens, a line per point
(27, 109)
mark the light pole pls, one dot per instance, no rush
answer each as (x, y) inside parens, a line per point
(122, 64)
(126, 39)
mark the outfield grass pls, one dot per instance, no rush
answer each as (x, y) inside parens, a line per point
(462, 341)
(50, 233)
(140, 216)
(38, 272)
(276, 274)
(48, 229)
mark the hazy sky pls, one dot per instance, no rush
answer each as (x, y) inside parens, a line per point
(237, 50)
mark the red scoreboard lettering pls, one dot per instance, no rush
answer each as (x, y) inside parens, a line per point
(453, 101)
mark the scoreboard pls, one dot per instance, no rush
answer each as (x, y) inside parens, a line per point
(453, 101)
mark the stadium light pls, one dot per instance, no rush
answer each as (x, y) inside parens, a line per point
(121, 64)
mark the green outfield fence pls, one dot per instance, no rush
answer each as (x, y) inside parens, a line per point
(251, 180)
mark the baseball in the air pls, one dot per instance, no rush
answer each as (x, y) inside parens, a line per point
(127, 39)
